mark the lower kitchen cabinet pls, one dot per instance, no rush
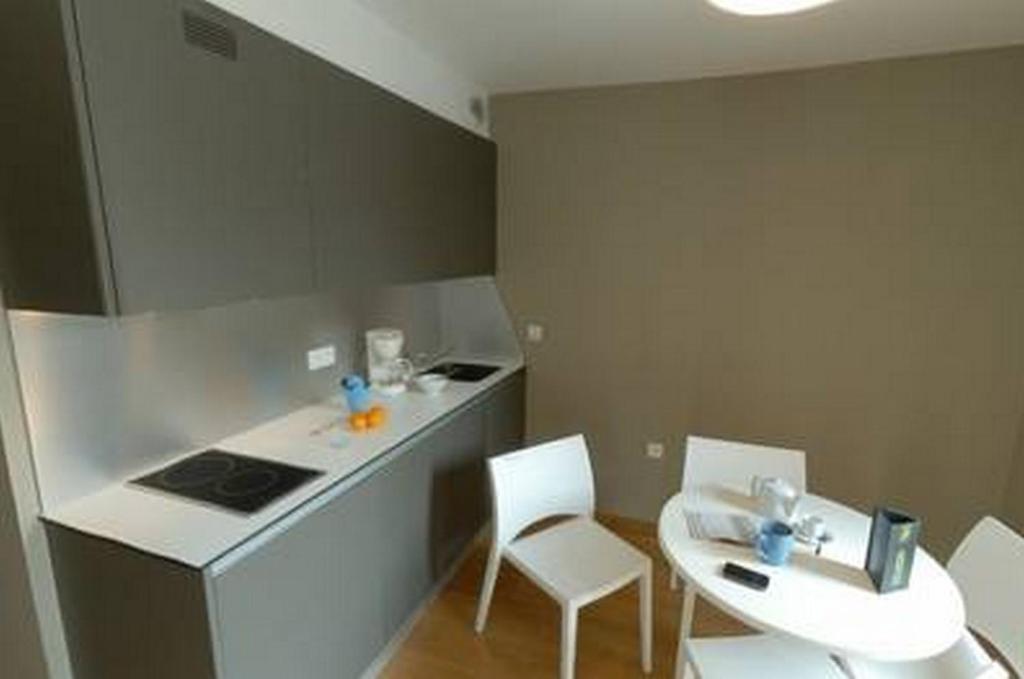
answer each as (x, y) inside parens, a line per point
(307, 604)
(403, 544)
(458, 487)
(506, 416)
(319, 600)
(129, 615)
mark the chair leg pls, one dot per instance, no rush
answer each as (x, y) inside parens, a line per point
(683, 670)
(847, 671)
(673, 580)
(487, 589)
(569, 615)
(646, 620)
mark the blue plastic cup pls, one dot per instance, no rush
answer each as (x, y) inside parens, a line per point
(357, 395)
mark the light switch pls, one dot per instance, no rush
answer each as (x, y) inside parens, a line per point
(321, 357)
(534, 333)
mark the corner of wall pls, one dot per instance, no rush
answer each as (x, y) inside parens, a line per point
(30, 567)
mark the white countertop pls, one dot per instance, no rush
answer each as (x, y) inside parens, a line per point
(197, 535)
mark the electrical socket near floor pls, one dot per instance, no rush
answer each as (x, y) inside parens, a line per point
(321, 357)
(655, 450)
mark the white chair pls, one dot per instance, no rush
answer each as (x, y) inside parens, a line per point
(733, 465)
(575, 562)
(987, 566)
(759, 656)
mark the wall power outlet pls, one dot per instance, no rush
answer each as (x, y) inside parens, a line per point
(321, 357)
(534, 333)
(655, 450)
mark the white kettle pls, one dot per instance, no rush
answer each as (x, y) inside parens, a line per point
(776, 498)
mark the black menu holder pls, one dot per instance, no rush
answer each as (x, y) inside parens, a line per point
(891, 550)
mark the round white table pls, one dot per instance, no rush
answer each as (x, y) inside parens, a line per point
(827, 600)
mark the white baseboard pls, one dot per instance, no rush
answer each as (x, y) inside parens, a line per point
(391, 649)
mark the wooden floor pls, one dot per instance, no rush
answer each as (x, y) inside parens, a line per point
(522, 636)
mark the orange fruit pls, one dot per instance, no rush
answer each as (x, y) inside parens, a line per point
(376, 417)
(359, 421)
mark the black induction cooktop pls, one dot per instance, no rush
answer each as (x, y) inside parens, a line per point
(228, 480)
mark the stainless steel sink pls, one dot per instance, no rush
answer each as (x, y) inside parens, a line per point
(463, 372)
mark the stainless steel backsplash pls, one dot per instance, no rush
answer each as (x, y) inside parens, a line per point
(107, 397)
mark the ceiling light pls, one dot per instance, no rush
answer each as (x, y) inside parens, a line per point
(767, 7)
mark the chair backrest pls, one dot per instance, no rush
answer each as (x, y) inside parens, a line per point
(733, 464)
(989, 568)
(535, 483)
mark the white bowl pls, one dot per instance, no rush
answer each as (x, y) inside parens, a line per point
(431, 384)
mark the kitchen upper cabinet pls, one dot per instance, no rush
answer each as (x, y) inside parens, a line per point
(163, 154)
(465, 208)
(358, 168)
(398, 195)
(47, 244)
(198, 121)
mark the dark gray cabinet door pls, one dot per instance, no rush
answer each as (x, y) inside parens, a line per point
(464, 209)
(323, 598)
(403, 518)
(48, 250)
(127, 614)
(506, 416)
(458, 485)
(360, 181)
(308, 604)
(199, 126)
(398, 194)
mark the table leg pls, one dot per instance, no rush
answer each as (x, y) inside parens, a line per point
(844, 666)
(683, 670)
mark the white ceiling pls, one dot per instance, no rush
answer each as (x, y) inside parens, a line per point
(519, 45)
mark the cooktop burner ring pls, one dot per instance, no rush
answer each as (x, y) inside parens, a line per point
(197, 472)
(231, 481)
(248, 482)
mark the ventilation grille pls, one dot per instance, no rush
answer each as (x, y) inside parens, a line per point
(210, 36)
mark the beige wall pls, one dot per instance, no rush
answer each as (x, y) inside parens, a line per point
(1015, 486)
(830, 259)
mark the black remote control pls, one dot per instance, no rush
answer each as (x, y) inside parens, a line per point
(745, 576)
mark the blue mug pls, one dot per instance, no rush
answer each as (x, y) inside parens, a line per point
(775, 543)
